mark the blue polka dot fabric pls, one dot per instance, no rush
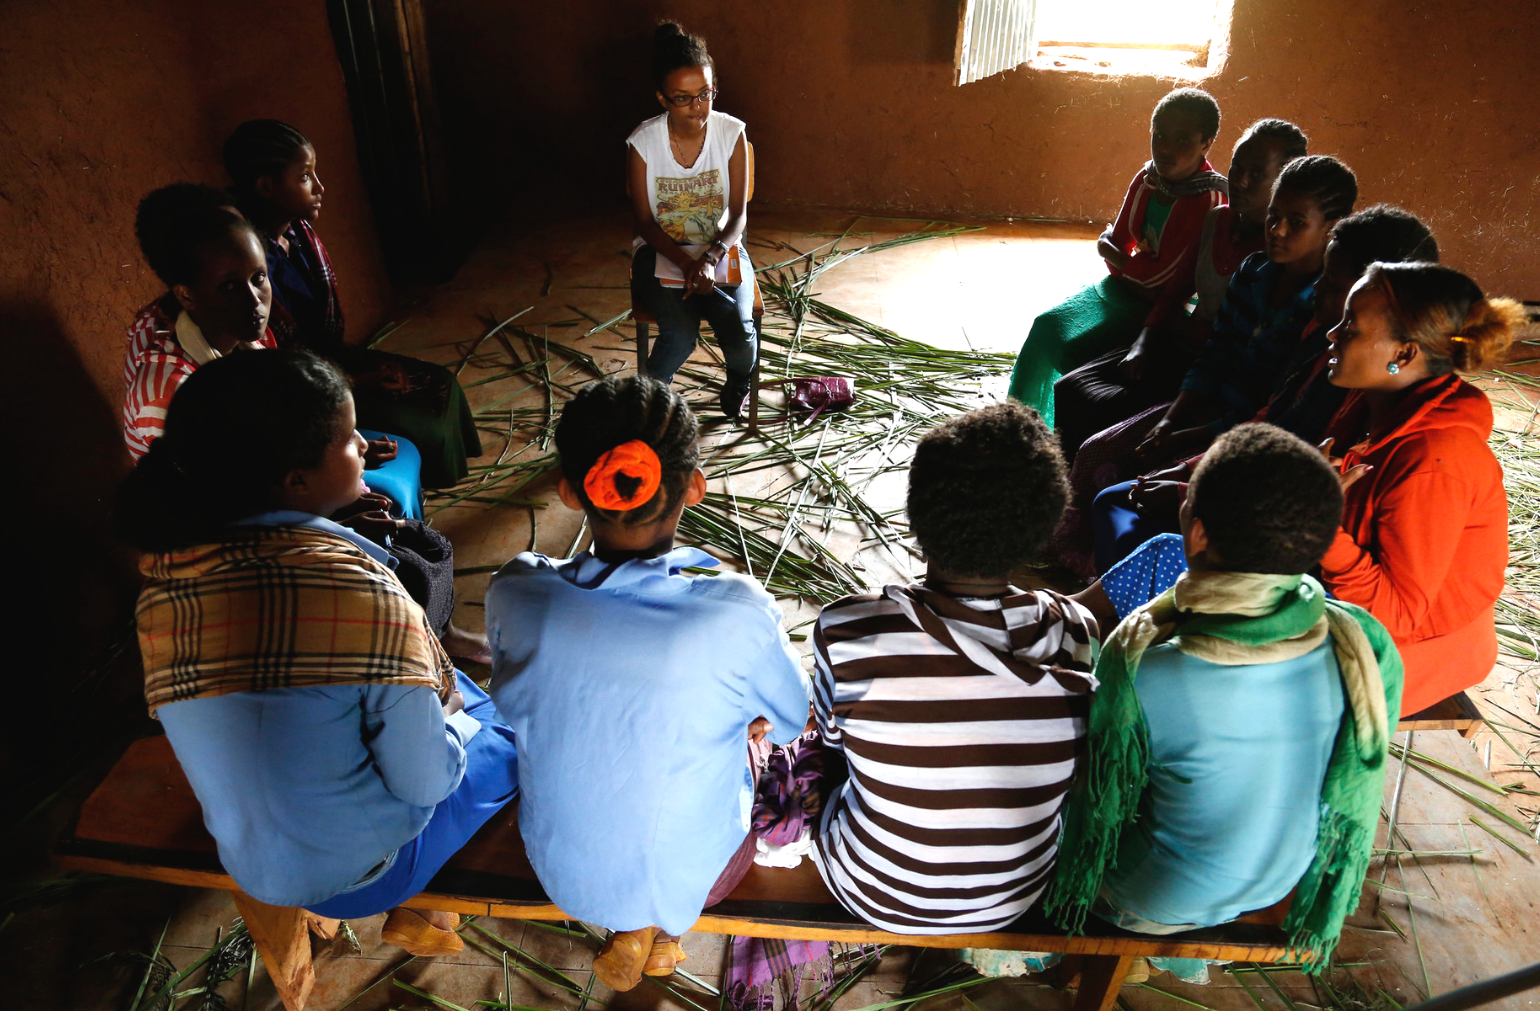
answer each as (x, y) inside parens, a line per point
(1145, 574)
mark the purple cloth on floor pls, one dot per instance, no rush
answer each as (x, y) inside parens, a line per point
(758, 960)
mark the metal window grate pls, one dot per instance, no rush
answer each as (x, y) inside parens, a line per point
(994, 36)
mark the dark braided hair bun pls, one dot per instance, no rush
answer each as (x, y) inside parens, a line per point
(258, 148)
(1323, 178)
(1290, 138)
(615, 410)
(673, 49)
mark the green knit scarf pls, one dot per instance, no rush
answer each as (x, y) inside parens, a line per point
(1236, 619)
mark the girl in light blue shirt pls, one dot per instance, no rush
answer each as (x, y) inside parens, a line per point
(632, 676)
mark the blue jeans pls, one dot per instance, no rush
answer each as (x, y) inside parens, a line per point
(729, 309)
(491, 781)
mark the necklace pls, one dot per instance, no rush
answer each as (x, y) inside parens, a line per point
(674, 145)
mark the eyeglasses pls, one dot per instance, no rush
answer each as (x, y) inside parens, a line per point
(708, 96)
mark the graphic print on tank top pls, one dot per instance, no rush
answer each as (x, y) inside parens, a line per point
(689, 209)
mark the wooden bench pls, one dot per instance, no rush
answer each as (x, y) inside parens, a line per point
(143, 821)
(1457, 712)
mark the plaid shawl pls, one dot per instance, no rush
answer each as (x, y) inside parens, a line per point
(282, 323)
(279, 607)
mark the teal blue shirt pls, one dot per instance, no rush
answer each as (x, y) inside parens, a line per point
(1228, 821)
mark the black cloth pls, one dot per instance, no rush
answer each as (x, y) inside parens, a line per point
(426, 567)
(1096, 396)
(1305, 401)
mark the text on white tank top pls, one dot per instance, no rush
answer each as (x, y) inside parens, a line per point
(689, 204)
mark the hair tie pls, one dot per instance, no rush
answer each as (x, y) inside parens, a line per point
(635, 460)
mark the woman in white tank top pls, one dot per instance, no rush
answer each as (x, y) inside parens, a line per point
(686, 175)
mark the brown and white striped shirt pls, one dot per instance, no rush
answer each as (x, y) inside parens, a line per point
(961, 720)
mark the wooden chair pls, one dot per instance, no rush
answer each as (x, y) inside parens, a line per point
(1457, 712)
(643, 319)
(143, 821)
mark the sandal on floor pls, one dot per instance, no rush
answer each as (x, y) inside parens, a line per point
(619, 963)
(666, 953)
(408, 929)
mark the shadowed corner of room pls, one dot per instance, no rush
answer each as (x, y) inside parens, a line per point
(72, 585)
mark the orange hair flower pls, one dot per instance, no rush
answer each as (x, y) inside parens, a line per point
(635, 460)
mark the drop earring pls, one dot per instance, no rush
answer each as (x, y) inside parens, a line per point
(1393, 368)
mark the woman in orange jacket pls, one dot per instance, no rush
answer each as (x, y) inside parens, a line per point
(1424, 538)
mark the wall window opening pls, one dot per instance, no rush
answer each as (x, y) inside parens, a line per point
(1163, 38)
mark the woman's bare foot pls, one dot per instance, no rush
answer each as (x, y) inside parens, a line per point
(463, 645)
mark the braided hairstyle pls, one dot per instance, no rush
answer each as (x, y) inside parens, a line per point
(675, 49)
(1199, 103)
(986, 490)
(1457, 327)
(190, 484)
(1290, 138)
(1384, 234)
(258, 148)
(616, 410)
(174, 221)
(1324, 179)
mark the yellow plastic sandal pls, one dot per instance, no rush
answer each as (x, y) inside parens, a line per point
(619, 963)
(410, 930)
(665, 955)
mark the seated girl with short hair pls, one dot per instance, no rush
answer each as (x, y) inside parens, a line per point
(1148, 251)
(1424, 538)
(1303, 402)
(339, 757)
(1240, 729)
(633, 680)
(217, 301)
(1125, 381)
(687, 178)
(272, 167)
(958, 704)
(1268, 304)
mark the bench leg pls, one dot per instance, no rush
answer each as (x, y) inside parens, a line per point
(754, 399)
(282, 935)
(1101, 977)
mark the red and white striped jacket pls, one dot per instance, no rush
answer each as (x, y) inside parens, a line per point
(153, 367)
